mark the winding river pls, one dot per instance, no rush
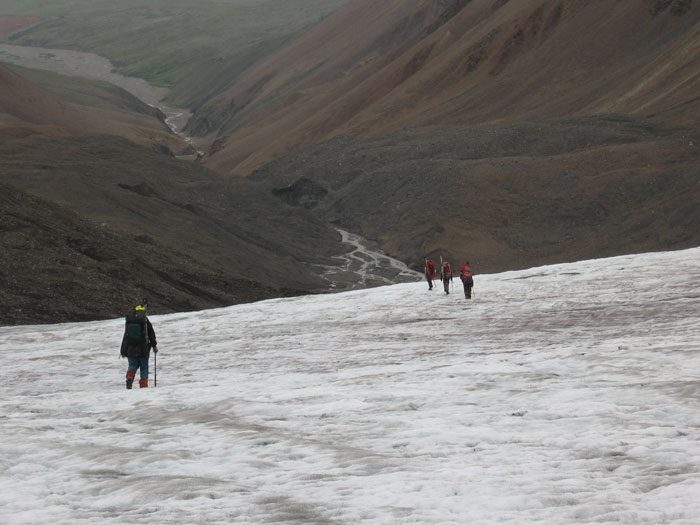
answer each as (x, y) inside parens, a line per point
(366, 266)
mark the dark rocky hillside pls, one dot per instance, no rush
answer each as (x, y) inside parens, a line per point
(92, 223)
(225, 223)
(98, 212)
(57, 266)
(505, 196)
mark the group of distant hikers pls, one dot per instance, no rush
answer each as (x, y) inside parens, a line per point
(446, 274)
(140, 337)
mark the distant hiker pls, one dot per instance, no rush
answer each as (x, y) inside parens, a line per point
(139, 338)
(446, 276)
(467, 280)
(430, 272)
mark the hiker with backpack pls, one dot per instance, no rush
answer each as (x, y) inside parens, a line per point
(430, 272)
(467, 280)
(139, 338)
(446, 276)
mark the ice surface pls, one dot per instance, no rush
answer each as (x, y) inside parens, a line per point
(561, 394)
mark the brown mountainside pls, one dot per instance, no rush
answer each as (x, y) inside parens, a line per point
(29, 110)
(376, 67)
(512, 133)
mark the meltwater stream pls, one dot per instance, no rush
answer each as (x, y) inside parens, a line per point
(366, 266)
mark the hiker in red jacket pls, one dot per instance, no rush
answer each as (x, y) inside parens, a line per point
(467, 280)
(430, 273)
(446, 276)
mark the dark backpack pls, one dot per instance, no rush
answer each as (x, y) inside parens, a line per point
(136, 332)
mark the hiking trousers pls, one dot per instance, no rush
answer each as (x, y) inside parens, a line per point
(446, 282)
(467, 289)
(136, 363)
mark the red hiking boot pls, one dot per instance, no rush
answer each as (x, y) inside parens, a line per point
(143, 383)
(130, 374)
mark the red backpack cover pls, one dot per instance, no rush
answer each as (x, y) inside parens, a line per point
(446, 270)
(466, 273)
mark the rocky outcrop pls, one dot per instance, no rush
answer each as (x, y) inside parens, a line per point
(304, 192)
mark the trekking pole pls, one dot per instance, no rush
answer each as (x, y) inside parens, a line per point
(155, 369)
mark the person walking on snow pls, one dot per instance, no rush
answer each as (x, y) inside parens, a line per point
(446, 276)
(430, 273)
(467, 280)
(139, 338)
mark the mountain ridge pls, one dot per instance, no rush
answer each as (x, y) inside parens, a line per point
(475, 64)
(551, 77)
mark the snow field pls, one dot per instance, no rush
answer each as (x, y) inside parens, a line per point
(561, 394)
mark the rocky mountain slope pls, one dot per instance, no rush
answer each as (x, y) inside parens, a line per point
(502, 196)
(400, 64)
(92, 221)
(509, 132)
(55, 265)
(26, 109)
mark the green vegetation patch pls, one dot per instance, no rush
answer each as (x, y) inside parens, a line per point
(176, 44)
